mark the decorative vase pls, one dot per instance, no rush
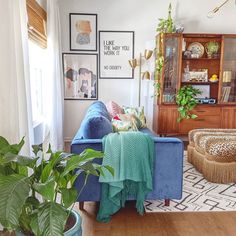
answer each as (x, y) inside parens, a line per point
(76, 230)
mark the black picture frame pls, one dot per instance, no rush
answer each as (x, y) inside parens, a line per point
(83, 31)
(77, 69)
(124, 39)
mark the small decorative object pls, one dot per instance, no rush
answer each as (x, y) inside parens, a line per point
(200, 75)
(204, 91)
(187, 54)
(214, 78)
(83, 32)
(80, 76)
(196, 49)
(212, 49)
(179, 28)
(186, 73)
(195, 55)
(116, 48)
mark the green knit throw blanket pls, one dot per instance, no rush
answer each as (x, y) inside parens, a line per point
(131, 154)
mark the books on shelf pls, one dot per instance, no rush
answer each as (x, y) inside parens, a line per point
(225, 93)
(227, 76)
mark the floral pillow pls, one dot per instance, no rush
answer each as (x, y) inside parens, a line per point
(119, 125)
(136, 123)
(138, 112)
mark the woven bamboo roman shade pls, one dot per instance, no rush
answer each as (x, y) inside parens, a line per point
(37, 18)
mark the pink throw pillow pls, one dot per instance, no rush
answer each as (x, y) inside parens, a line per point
(114, 109)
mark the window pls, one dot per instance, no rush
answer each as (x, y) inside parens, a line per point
(37, 57)
(37, 18)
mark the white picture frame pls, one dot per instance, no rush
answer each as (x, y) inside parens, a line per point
(116, 48)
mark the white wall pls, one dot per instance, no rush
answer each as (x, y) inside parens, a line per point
(141, 17)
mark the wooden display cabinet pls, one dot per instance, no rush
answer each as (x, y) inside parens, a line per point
(179, 69)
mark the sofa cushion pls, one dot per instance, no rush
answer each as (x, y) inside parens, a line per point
(114, 109)
(138, 112)
(96, 123)
(121, 125)
(98, 108)
(94, 127)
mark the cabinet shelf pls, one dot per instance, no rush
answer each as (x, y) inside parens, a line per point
(202, 58)
(201, 83)
(219, 115)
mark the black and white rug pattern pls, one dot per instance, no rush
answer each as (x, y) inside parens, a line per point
(198, 195)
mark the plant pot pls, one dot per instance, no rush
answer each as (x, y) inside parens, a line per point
(76, 230)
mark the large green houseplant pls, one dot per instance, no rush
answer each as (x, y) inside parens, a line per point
(186, 101)
(37, 194)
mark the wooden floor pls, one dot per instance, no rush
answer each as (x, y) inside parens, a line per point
(127, 222)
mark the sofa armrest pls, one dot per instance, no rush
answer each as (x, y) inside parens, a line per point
(78, 145)
(168, 167)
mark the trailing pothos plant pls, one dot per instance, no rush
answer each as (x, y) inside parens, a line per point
(37, 194)
(164, 26)
(186, 101)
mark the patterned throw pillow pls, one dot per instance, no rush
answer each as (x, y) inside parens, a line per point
(136, 123)
(119, 125)
(138, 112)
(114, 109)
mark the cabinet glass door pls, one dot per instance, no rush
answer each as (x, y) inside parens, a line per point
(228, 80)
(171, 67)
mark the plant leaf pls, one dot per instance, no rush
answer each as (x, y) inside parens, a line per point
(26, 215)
(54, 159)
(3, 142)
(193, 116)
(91, 154)
(89, 168)
(37, 148)
(51, 219)
(14, 190)
(34, 224)
(21, 160)
(110, 169)
(76, 161)
(69, 196)
(46, 189)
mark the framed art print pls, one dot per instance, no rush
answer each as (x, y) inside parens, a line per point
(80, 76)
(116, 48)
(83, 32)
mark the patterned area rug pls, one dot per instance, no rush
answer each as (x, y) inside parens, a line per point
(198, 195)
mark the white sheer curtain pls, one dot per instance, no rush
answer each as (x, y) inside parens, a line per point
(15, 102)
(54, 98)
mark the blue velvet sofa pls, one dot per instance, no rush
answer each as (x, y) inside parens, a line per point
(168, 166)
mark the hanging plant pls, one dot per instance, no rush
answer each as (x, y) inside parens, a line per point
(164, 26)
(186, 101)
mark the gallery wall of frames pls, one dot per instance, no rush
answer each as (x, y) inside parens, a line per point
(94, 55)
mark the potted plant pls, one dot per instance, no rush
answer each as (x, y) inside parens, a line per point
(212, 49)
(186, 101)
(37, 194)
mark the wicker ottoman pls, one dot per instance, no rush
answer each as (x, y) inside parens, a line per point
(213, 153)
